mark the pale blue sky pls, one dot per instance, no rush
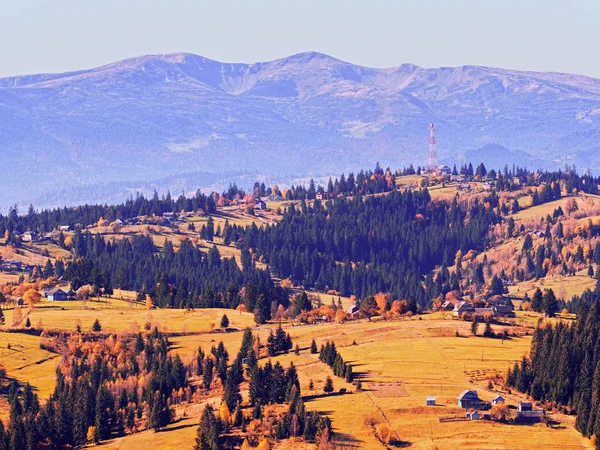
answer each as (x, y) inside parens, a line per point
(60, 35)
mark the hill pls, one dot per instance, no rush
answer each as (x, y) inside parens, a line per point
(181, 121)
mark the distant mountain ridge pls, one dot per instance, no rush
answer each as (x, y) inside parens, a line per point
(154, 117)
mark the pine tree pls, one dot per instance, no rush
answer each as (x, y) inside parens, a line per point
(313, 347)
(549, 302)
(537, 301)
(224, 322)
(209, 428)
(328, 385)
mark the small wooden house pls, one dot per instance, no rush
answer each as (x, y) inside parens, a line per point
(497, 399)
(463, 307)
(473, 415)
(430, 401)
(57, 294)
(469, 399)
(444, 170)
(352, 310)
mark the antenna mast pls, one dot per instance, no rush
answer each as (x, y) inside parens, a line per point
(432, 160)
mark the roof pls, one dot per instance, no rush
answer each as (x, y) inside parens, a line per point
(431, 399)
(468, 394)
(55, 290)
(534, 414)
(352, 309)
(463, 305)
(498, 397)
(484, 310)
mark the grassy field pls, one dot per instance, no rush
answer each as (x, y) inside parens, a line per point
(541, 211)
(563, 286)
(118, 316)
(24, 360)
(400, 363)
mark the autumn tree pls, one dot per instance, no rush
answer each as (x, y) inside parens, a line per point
(31, 297)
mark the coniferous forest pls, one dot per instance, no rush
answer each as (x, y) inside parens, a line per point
(564, 365)
(362, 246)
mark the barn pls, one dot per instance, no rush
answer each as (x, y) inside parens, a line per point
(469, 399)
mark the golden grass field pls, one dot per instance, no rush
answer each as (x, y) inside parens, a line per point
(117, 316)
(541, 211)
(563, 286)
(400, 362)
(24, 360)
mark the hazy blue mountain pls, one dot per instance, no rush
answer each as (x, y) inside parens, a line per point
(156, 117)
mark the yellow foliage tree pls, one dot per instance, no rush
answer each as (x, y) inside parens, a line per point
(31, 297)
(17, 316)
(264, 444)
(381, 300)
(224, 413)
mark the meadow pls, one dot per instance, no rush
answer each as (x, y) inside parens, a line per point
(399, 362)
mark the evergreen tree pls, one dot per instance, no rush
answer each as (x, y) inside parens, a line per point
(209, 428)
(328, 388)
(224, 321)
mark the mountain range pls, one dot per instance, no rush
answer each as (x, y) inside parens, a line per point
(141, 123)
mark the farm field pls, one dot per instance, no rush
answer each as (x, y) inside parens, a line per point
(400, 362)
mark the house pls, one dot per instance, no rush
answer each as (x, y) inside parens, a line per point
(63, 228)
(497, 399)
(469, 399)
(464, 187)
(516, 181)
(260, 205)
(10, 265)
(352, 310)
(485, 311)
(463, 307)
(119, 222)
(525, 406)
(319, 196)
(444, 170)
(533, 416)
(473, 415)
(29, 236)
(504, 311)
(430, 401)
(447, 305)
(526, 413)
(56, 294)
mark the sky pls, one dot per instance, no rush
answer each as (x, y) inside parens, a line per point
(40, 36)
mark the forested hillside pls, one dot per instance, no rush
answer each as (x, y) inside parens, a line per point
(362, 246)
(564, 365)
